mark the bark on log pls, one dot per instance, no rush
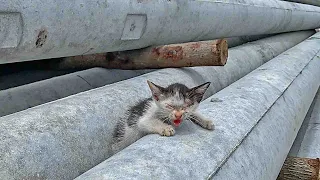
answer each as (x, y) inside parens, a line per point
(204, 53)
(295, 168)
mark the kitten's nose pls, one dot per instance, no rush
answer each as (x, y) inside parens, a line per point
(178, 115)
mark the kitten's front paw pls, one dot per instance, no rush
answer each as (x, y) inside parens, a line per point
(209, 125)
(167, 131)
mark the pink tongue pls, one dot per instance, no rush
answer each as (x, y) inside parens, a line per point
(177, 122)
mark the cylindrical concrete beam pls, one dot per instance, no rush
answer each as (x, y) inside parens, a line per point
(47, 29)
(23, 97)
(256, 118)
(37, 93)
(307, 142)
(65, 138)
(311, 2)
(236, 41)
(20, 78)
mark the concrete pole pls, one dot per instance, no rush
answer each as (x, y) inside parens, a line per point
(257, 119)
(310, 2)
(236, 41)
(64, 138)
(37, 93)
(46, 29)
(30, 72)
(307, 142)
(27, 76)
(23, 97)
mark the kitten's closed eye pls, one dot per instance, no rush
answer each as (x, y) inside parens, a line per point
(156, 97)
(168, 106)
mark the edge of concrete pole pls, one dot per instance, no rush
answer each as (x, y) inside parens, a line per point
(307, 142)
(37, 93)
(64, 138)
(309, 2)
(51, 29)
(257, 119)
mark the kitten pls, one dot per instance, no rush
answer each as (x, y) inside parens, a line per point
(160, 114)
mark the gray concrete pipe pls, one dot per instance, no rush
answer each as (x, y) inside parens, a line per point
(307, 142)
(26, 73)
(64, 138)
(257, 119)
(310, 2)
(33, 94)
(23, 97)
(237, 41)
(38, 29)
(20, 78)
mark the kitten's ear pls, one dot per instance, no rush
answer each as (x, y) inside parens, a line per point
(202, 88)
(197, 93)
(155, 89)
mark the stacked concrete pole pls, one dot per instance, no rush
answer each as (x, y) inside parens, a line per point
(23, 97)
(13, 76)
(307, 143)
(30, 90)
(311, 2)
(44, 29)
(64, 138)
(303, 161)
(257, 119)
(257, 114)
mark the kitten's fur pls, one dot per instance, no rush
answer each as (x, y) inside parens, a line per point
(156, 114)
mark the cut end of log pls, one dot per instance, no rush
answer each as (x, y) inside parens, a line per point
(295, 168)
(223, 49)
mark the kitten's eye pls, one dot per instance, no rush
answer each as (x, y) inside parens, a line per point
(169, 106)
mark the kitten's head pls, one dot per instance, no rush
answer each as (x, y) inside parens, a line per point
(177, 102)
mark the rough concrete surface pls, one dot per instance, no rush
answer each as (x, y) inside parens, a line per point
(257, 119)
(310, 2)
(65, 138)
(23, 97)
(33, 30)
(307, 143)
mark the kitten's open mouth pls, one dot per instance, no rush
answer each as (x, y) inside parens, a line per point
(177, 122)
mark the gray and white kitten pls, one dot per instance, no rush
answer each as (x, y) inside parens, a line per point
(160, 114)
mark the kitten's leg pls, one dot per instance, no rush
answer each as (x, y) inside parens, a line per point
(155, 126)
(201, 121)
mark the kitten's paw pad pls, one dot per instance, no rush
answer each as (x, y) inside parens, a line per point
(168, 131)
(209, 125)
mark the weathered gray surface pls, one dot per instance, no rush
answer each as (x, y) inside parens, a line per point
(29, 76)
(64, 138)
(30, 95)
(11, 76)
(236, 41)
(310, 2)
(22, 97)
(44, 29)
(256, 119)
(307, 142)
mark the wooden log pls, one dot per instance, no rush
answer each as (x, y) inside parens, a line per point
(203, 53)
(295, 168)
